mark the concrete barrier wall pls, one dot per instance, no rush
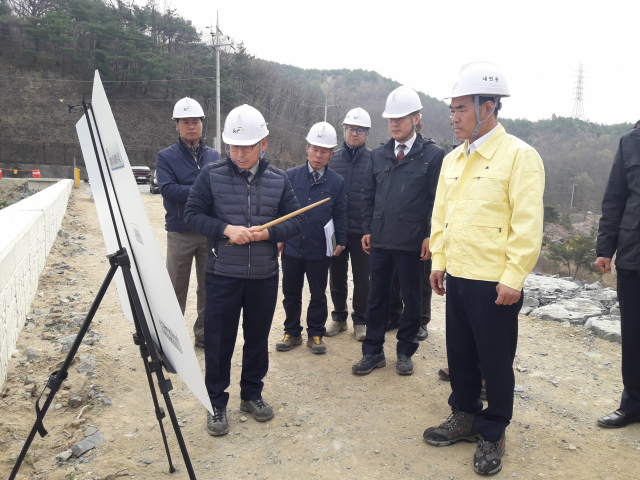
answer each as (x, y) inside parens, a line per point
(27, 232)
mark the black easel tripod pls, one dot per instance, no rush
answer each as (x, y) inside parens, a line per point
(142, 337)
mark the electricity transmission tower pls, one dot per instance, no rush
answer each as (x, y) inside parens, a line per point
(578, 104)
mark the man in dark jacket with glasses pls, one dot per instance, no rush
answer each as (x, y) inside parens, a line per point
(351, 162)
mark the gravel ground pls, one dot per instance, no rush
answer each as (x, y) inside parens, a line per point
(328, 423)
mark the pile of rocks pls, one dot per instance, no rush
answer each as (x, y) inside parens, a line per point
(566, 300)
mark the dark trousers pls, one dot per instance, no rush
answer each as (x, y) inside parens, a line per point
(629, 298)
(226, 297)
(338, 273)
(293, 273)
(481, 339)
(407, 265)
(396, 307)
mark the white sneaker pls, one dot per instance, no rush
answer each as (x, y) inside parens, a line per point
(360, 331)
(335, 328)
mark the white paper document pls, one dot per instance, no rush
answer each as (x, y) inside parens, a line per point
(330, 234)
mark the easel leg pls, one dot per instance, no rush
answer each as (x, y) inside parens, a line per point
(155, 364)
(56, 378)
(138, 339)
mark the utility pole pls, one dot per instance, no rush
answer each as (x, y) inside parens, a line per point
(572, 190)
(215, 38)
(325, 108)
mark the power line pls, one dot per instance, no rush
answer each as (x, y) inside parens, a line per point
(108, 81)
(269, 125)
(273, 113)
(282, 95)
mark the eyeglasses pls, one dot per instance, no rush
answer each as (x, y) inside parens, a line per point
(245, 148)
(359, 131)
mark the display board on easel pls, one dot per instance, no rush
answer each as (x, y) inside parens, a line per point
(162, 311)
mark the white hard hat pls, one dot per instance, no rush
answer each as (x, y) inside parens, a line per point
(187, 108)
(480, 78)
(323, 135)
(244, 126)
(401, 102)
(358, 116)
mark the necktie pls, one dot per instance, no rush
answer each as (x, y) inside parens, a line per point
(246, 174)
(401, 154)
(316, 176)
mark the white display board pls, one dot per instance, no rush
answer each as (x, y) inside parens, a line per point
(150, 275)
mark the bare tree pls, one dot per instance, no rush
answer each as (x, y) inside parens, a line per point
(31, 8)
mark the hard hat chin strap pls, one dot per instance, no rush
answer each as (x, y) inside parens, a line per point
(476, 104)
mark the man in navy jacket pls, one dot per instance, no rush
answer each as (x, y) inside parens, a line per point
(307, 252)
(177, 167)
(229, 199)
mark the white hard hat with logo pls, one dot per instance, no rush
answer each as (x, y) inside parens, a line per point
(187, 108)
(401, 102)
(358, 116)
(481, 79)
(244, 126)
(323, 135)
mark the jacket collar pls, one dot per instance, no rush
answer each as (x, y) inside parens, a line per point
(263, 163)
(489, 147)
(184, 148)
(356, 151)
(390, 146)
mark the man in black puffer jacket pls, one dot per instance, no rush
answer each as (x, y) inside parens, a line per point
(228, 200)
(397, 198)
(620, 234)
(351, 162)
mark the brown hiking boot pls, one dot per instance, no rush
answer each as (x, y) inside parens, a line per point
(288, 342)
(317, 345)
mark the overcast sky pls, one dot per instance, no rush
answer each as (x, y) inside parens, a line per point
(538, 45)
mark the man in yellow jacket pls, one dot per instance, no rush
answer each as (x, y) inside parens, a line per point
(486, 234)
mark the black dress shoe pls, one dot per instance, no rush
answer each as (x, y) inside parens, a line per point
(618, 419)
(423, 333)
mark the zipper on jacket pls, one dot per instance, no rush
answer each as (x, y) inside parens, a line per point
(249, 221)
(178, 209)
(258, 199)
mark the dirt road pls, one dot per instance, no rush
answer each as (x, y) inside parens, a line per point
(328, 424)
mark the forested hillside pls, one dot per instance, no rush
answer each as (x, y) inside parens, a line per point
(149, 57)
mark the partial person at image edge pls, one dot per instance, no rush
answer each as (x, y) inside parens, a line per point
(619, 235)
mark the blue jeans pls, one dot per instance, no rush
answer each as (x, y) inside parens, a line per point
(408, 268)
(226, 297)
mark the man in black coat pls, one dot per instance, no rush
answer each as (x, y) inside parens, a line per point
(228, 200)
(620, 234)
(351, 162)
(306, 254)
(397, 198)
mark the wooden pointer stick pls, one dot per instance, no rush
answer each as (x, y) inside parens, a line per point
(292, 214)
(286, 217)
